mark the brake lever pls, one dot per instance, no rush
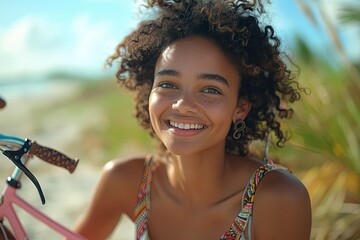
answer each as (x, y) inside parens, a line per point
(15, 157)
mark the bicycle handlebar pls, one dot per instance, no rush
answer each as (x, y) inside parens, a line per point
(45, 153)
(32, 148)
(53, 157)
(2, 103)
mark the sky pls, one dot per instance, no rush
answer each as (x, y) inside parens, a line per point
(39, 37)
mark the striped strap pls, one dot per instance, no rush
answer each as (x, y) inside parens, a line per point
(142, 209)
(241, 220)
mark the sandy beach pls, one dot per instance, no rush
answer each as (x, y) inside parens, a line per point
(66, 194)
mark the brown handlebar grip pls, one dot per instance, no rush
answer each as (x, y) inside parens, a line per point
(53, 157)
(2, 103)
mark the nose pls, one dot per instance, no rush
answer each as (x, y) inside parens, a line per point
(186, 104)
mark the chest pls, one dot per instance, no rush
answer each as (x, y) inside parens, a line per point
(168, 220)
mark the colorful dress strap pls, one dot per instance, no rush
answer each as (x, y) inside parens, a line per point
(142, 209)
(242, 219)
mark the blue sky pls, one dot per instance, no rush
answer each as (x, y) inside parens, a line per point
(41, 36)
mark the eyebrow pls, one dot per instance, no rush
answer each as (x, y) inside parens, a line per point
(213, 76)
(168, 72)
(205, 76)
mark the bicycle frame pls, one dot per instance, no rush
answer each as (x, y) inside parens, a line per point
(10, 198)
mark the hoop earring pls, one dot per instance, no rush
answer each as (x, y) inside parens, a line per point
(239, 127)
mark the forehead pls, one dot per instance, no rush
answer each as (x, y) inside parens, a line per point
(198, 54)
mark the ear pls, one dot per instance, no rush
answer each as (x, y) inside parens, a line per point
(242, 110)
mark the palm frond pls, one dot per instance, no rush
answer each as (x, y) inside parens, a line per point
(350, 14)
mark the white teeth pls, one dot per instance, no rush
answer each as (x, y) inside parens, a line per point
(186, 126)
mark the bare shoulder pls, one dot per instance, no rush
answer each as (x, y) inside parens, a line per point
(124, 169)
(114, 194)
(122, 178)
(282, 208)
(116, 190)
(281, 183)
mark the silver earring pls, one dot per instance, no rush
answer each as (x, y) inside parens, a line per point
(239, 127)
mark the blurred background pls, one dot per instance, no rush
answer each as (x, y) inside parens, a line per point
(58, 93)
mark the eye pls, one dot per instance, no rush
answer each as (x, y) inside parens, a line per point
(166, 85)
(211, 90)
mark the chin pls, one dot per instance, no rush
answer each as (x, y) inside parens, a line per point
(181, 150)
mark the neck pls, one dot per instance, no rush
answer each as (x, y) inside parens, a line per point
(197, 180)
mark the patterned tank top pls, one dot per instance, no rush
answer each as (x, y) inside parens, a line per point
(237, 228)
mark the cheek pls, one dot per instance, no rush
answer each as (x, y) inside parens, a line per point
(223, 118)
(156, 108)
(221, 112)
(158, 101)
(218, 108)
(153, 102)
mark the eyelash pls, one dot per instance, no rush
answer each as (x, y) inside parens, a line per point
(212, 90)
(207, 90)
(166, 85)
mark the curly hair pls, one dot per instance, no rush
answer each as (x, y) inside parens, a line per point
(235, 26)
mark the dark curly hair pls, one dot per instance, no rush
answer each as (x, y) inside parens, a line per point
(235, 26)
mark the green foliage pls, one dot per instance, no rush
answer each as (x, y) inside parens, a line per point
(350, 14)
(327, 137)
(326, 120)
(326, 133)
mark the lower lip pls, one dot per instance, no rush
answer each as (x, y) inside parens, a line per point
(184, 132)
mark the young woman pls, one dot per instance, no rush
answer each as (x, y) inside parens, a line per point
(209, 80)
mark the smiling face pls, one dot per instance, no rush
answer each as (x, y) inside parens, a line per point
(194, 96)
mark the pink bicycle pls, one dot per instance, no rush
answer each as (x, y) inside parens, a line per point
(20, 151)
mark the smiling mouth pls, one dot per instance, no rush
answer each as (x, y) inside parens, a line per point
(186, 126)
